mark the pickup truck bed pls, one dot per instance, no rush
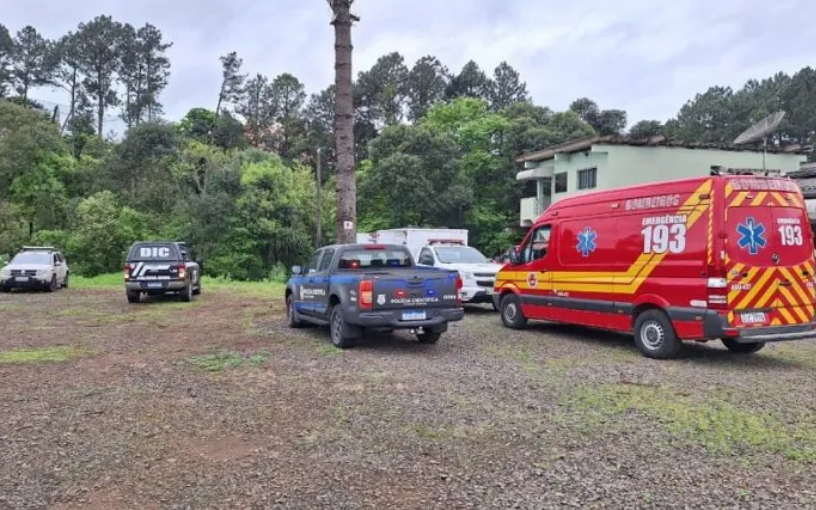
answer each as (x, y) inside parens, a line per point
(362, 287)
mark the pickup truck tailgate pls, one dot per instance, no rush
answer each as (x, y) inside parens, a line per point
(412, 288)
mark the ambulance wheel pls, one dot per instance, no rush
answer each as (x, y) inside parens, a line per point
(739, 348)
(655, 336)
(511, 314)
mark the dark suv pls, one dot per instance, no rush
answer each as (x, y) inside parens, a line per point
(158, 267)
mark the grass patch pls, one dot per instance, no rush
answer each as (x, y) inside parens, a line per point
(100, 281)
(42, 355)
(799, 355)
(265, 289)
(261, 289)
(518, 354)
(329, 350)
(721, 427)
(432, 433)
(225, 360)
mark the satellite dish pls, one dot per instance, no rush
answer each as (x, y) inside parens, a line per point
(760, 131)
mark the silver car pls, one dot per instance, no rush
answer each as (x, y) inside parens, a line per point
(35, 267)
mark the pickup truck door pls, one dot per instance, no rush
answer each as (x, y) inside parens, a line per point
(320, 283)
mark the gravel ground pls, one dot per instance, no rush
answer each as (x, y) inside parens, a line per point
(216, 404)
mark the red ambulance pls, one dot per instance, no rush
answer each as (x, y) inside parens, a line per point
(723, 257)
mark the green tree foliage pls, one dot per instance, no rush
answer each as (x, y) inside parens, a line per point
(470, 82)
(646, 129)
(143, 70)
(426, 84)
(507, 87)
(100, 45)
(6, 48)
(31, 65)
(232, 81)
(604, 122)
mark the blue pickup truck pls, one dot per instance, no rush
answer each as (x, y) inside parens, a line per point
(351, 288)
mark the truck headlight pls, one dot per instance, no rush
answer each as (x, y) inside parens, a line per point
(465, 275)
(43, 272)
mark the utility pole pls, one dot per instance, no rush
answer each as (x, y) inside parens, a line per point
(319, 237)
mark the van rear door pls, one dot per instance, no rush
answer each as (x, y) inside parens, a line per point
(770, 252)
(795, 296)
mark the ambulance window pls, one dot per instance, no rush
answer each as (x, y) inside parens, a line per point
(538, 245)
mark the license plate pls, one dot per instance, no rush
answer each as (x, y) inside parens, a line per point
(414, 316)
(22, 278)
(752, 318)
(154, 285)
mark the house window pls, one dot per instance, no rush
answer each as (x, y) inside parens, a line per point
(560, 183)
(588, 178)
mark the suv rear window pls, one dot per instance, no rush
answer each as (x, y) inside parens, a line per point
(153, 252)
(368, 258)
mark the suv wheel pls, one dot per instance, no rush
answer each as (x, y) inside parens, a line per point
(52, 286)
(65, 282)
(655, 336)
(197, 289)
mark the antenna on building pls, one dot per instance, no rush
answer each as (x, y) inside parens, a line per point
(760, 131)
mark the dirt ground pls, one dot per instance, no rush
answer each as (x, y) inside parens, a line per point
(217, 405)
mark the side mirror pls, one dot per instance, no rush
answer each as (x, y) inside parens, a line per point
(297, 270)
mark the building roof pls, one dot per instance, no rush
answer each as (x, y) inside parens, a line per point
(806, 170)
(586, 143)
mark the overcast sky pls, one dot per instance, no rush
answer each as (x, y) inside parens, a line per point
(643, 56)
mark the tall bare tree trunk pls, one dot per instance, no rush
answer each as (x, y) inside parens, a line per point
(344, 122)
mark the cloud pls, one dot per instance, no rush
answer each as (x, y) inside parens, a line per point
(636, 55)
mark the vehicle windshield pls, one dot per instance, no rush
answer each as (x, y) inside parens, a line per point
(32, 257)
(368, 258)
(152, 252)
(460, 255)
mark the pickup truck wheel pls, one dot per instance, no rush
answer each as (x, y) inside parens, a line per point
(739, 348)
(291, 316)
(197, 289)
(511, 314)
(187, 293)
(52, 286)
(428, 337)
(337, 329)
(133, 296)
(655, 336)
